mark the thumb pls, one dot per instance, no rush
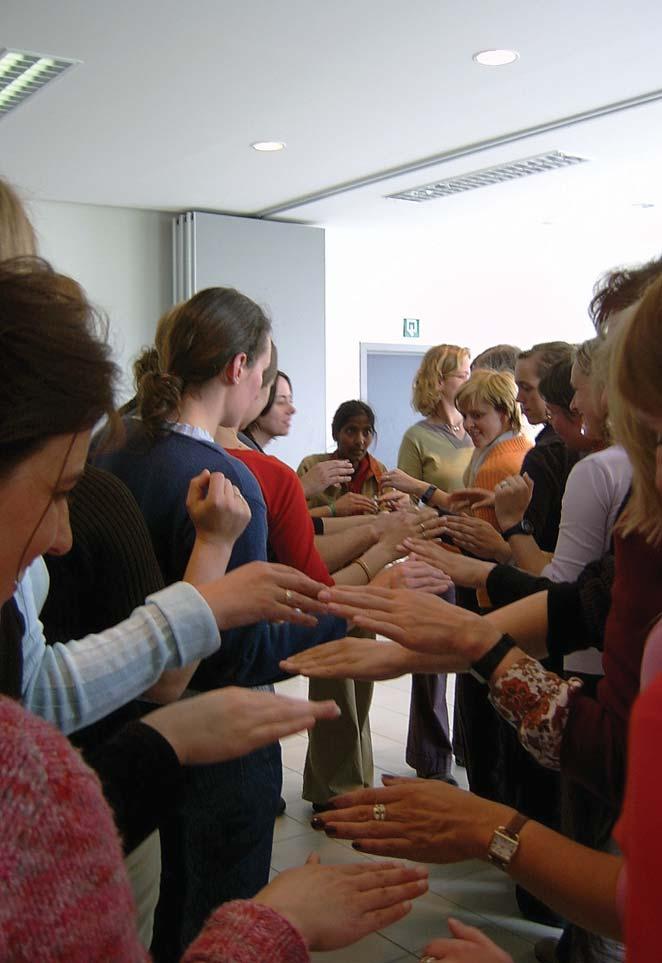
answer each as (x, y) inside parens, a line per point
(199, 484)
(529, 481)
(462, 931)
(313, 859)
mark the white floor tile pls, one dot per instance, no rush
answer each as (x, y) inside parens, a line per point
(471, 891)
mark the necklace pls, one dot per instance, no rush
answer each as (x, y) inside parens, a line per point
(456, 427)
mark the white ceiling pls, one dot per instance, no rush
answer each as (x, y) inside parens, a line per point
(169, 95)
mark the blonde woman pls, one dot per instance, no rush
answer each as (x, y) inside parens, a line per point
(433, 456)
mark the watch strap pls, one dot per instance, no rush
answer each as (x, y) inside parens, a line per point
(521, 528)
(483, 668)
(428, 493)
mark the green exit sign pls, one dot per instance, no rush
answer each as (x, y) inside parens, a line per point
(411, 328)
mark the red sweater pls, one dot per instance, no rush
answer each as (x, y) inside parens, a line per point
(291, 533)
(593, 751)
(65, 894)
(638, 830)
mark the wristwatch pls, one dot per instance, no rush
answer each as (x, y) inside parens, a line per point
(505, 842)
(427, 494)
(522, 528)
(483, 668)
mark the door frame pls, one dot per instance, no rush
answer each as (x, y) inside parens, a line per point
(367, 348)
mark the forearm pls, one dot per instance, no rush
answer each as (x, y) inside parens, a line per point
(340, 549)
(76, 683)
(526, 554)
(579, 883)
(208, 561)
(526, 621)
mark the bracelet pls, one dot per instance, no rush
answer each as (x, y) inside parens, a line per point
(483, 668)
(359, 561)
(332, 509)
(427, 494)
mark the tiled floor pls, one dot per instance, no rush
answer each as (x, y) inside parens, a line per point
(473, 891)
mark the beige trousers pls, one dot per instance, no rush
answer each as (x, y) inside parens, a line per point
(339, 751)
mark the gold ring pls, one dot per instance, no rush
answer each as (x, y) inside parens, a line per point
(288, 596)
(422, 528)
(429, 959)
(379, 812)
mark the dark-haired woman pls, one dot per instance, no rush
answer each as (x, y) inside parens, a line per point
(275, 418)
(212, 352)
(65, 895)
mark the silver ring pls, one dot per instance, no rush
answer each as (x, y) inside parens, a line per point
(298, 611)
(379, 812)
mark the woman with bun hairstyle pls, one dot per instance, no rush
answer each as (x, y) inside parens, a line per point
(212, 351)
(65, 893)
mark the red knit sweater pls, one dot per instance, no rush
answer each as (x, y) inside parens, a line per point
(291, 533)
(64, 895)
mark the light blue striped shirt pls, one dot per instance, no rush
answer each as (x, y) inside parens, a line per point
(75, 683)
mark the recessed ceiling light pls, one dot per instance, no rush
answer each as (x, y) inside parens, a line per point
(22, 74)
(267, 145)
(495, 58)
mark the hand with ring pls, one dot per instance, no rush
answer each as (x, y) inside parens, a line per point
(512, 498)
(263, 591)
(428, 821)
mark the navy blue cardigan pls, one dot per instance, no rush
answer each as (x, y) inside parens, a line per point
(158, 474)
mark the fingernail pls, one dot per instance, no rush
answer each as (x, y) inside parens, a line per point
(356, 846)
(317, 823)
(331, 831)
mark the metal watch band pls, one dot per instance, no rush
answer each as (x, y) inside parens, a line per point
(428, 493)
(483, 668)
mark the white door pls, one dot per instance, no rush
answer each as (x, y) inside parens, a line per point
(387, 372)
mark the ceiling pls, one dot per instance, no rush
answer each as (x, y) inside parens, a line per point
(168, 97)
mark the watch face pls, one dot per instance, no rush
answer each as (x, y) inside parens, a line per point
(527, 527)
(502, 848)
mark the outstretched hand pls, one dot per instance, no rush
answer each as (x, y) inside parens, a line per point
(353, 658)
(333, 906)
(417, 621)
(263, 591)
(421, 819)
(228, 723)
(414, 573)
(465, 571)
(470, 945)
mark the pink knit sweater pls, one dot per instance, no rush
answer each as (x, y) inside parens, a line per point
(64, 895)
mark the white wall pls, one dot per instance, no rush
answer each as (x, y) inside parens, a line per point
(469, 285)
(123, 259)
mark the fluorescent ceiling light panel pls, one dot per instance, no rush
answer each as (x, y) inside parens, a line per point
(22, 74)
(488, 176)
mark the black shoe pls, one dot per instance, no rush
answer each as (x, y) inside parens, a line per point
(281, 807)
